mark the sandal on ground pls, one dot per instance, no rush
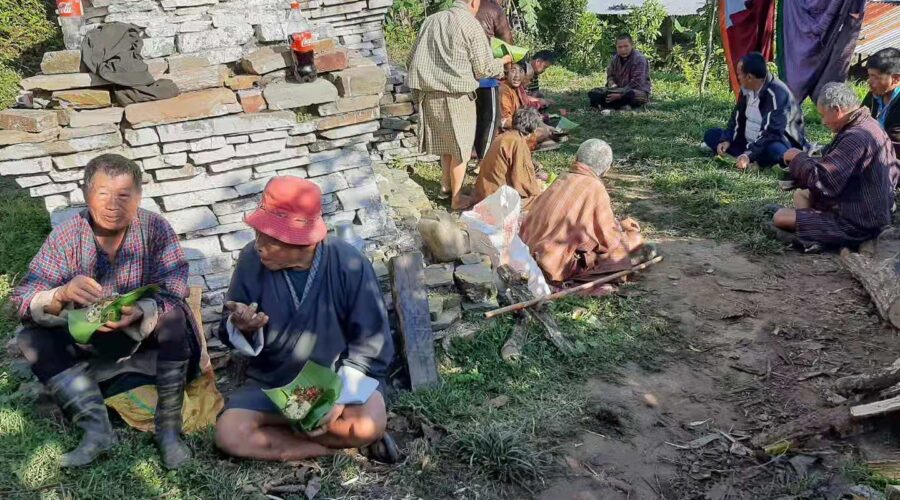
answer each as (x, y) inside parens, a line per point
(384, 450)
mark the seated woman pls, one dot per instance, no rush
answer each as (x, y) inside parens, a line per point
(512, 98)
(509, 163)
(297, 296)
(110, 248)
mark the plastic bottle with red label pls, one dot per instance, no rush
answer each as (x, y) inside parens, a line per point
(71, 19)
(301, 40)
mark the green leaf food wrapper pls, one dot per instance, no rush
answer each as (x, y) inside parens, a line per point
(84, 322)
(501, 48)
(563, 124)
(291, 399)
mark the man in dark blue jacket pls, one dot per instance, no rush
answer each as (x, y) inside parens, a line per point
(297, 296)
(766, 121)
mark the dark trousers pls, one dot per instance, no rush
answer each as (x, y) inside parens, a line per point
(632, 98)
(487, 112)
(51, 351)
(773, 154)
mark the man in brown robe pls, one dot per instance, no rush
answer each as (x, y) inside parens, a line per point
(571, 229)
(508, 162)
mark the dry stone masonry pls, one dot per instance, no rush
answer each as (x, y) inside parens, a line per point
(239, 120)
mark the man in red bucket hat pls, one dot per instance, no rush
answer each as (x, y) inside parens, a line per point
(298, 296)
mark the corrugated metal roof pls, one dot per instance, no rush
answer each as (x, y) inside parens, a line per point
(881, 28)
(618, 7)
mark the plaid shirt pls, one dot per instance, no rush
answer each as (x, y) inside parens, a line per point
(150, 254)
(632, 73)
(451, 53)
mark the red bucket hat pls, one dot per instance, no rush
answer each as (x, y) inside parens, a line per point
(290, 211)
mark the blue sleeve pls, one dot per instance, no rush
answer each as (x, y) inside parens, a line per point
(367, 332)
(732, 127)
(243, 288)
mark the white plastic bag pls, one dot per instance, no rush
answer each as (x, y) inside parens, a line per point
(494, 231)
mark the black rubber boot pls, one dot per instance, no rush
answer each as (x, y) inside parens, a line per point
(170, 380)
(79, 396)
(384, 450)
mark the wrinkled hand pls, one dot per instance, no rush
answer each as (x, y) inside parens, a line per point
(613, 97)
(82, 290)
(722, 148)
(743, 162)
(245, 317)
(130, 315)
(507, 59)
(327, 420)
(790, 154)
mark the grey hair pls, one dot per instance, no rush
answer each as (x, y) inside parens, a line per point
(596, 154)
(527, 120)
(836, 95)
(112, 165)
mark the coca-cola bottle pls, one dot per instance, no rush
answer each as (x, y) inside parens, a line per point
(301, 40)
(71, 18)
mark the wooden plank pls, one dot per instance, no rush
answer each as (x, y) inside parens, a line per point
(876, 408)
(414, 320)
(194, 301)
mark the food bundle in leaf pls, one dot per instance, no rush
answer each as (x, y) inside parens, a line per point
(84, 322)
(309, 397)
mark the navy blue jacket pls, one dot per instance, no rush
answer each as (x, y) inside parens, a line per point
(341, 320)
(782, 119)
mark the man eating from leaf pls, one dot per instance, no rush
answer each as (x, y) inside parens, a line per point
(298, 296)
(109, 249)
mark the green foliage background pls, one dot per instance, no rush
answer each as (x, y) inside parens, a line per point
(26, 32)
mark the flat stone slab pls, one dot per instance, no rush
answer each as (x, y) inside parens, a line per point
(189, 106)
(62, 82)
(438, 275)
(28, 120)
(297, 95)
(10, 137)
(61, 61)
(82, 98)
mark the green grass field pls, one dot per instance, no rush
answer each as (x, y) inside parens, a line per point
(491, 450)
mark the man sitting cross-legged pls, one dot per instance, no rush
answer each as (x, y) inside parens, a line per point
(766, 120)
(846, 195)
(297, 296)
(509, 162)
(571, 229)
(627, 79)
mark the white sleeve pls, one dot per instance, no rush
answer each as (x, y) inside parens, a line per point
(239, 341)
(357, 386)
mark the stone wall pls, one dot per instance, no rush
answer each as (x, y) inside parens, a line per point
(208, 153)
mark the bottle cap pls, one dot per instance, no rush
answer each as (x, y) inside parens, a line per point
(295, 5)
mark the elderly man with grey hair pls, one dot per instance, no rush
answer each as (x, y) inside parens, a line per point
(845, 195)
(571, 229)
(508, 162)
(111, 248)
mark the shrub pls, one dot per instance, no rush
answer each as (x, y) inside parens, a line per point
(589, 48)
(25, 33)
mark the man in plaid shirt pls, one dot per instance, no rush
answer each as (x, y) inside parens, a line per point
(110, 248)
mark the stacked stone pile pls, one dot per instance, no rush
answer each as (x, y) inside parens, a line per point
(208, 153)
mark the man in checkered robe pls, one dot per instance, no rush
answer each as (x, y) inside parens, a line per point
(845, 196)
(110, 248)
(448, 58)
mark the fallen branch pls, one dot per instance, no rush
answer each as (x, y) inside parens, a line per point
(570, 291)
(876, 408)
(512, 349)
(869, 382)
(517, 291)
(810, 424)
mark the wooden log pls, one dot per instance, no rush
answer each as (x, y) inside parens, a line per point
(517, 290)
(890, 469)
(571, 291)
(810, 424)
(869, 382)
(877, 408)
(414, 320)
(512, 349)
(877, 267)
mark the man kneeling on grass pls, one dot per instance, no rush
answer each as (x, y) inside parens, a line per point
(571, 229)
(297, 296)
(845, 196)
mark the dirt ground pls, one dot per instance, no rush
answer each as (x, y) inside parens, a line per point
(764, 340)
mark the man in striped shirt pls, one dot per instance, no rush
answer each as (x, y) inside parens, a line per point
(540, 62)
(846, 195)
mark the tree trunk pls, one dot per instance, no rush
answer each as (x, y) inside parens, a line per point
(869, 382)
(713, 9)
(877, 267)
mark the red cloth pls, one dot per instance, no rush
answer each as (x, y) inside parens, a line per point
(749, 27)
